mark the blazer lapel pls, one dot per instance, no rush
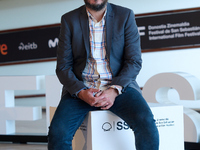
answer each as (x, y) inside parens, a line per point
(85, 29)
(109, 29)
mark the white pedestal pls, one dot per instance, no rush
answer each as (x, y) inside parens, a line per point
(102, 130)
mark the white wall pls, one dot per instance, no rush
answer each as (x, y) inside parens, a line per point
(170, 61)
(26, 13)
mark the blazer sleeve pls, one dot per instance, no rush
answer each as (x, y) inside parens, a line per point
(132, 62)
(64, 68)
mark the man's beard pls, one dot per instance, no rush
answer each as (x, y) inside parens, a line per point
(97, 7)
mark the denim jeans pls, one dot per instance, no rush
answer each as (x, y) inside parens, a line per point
(130, 106)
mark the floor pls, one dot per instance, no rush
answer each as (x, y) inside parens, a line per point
(29, 146)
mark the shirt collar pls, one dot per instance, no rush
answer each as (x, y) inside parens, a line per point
(91, 17)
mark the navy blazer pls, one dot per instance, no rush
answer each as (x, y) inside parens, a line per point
(122, 48)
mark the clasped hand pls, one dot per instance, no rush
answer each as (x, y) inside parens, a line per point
(103, 99)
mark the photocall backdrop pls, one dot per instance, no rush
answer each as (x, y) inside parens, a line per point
(178, 29)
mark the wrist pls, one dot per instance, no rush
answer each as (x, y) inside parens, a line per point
(117, 88)
(80, 91)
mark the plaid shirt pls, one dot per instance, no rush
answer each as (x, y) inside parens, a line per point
(97, 73)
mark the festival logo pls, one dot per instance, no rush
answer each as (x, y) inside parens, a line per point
(106, 126)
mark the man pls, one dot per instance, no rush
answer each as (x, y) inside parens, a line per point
(98, 59)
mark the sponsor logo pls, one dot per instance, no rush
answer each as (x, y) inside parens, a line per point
(53, 44)
(3, 49)
(120, 125)
(28, 46)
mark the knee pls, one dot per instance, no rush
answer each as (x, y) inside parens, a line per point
(145, 119)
